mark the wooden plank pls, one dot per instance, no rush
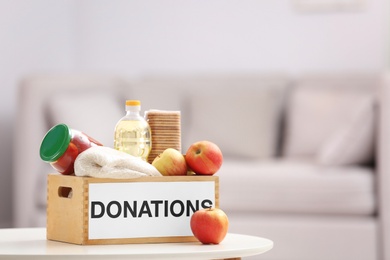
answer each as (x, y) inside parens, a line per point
(85, 228)
(64, 214)
(153, 179)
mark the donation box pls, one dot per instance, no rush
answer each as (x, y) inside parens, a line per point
(86, 211)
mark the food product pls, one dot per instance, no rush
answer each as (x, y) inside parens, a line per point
(204, 157)
(209, 225)
(61, 145)
(132, 133)
(170, 162)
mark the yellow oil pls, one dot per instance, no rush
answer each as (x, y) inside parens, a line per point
(133, 137)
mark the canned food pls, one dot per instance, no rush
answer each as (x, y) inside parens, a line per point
(62, 144)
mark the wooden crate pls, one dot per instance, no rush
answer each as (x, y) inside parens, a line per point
(86, 211)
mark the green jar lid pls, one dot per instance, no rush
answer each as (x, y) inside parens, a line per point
(55, 143)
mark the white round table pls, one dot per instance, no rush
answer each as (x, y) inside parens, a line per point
(31, 243)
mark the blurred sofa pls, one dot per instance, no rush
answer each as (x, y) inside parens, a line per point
(305, 158)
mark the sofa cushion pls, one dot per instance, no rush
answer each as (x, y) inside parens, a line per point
(241, 116)
(296, 187)
(240, 113)
(243, 124)
(318, 106)
(354, 141)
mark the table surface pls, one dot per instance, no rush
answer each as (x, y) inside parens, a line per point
(31, 243)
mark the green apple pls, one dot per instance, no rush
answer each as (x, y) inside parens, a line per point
(170, 163)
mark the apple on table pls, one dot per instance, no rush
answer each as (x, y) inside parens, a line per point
(209, 225)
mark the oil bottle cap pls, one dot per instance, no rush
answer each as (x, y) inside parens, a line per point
(133, 103)
(55, 143)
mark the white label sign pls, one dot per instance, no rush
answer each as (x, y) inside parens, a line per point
(146, 209)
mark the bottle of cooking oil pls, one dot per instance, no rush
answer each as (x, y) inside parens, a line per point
(132, 132)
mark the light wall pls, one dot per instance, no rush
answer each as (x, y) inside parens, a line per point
(163, 36)
(135, 37)
(35, 37)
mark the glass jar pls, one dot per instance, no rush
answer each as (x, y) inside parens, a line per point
(61, 145)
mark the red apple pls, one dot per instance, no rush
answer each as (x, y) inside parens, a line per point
(170, 162)
(209, 225)
(204, 157)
